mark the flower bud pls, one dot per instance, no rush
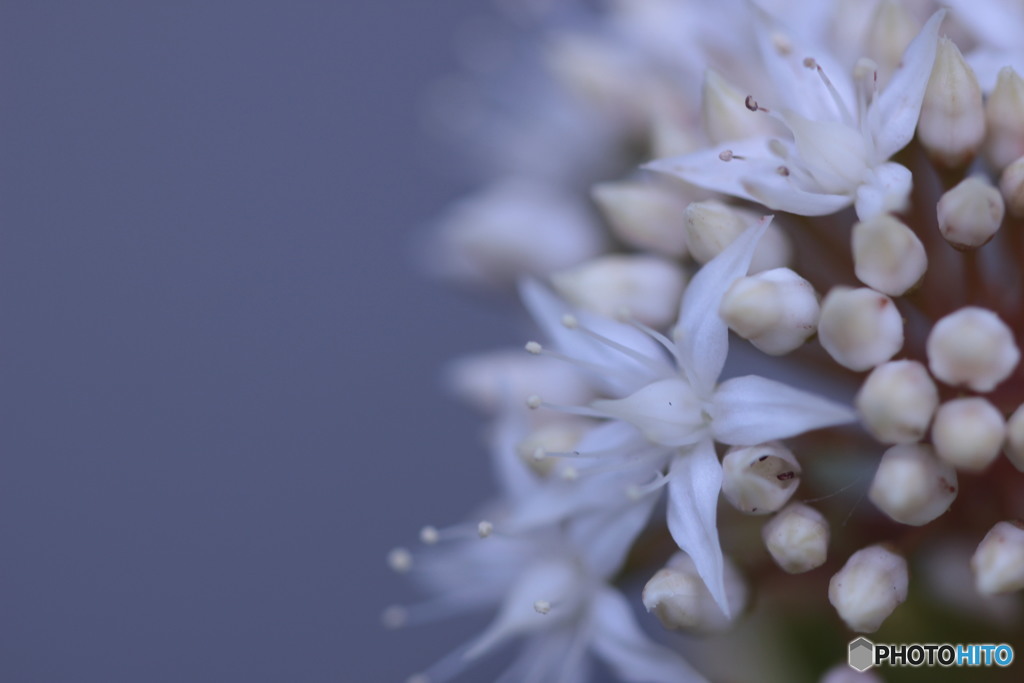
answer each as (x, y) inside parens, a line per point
(1004, 120)
(711, 226)
(678, 597)
(777, 310)
(726, 116)
(1011, 186)
(968, 433)
(644, 215)
(511, 229)
(1014, 447)
(912, 486)
(797, 538)
(887, 255)
(998, 563)
(972, 347)
(596, 71)
(759, 479)
(897, 401)
(859, 328)
(952, 123)
(891, 29)
(647, 287)
(871, 584)
(970, 213)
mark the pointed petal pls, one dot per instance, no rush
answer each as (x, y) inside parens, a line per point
(701, 336)
(633, 656)
(707, 169)
(892, 118)
(751, 410)
(780, 193)
(695, 481)
(604, 538)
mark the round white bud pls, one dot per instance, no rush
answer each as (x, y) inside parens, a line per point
(759, 479)
(648, 287)
(891, 29)
(968, 433)
(871, 584)
(1004, 125)
(972, 347)
(645, 215)
(1011, 186)
(773, 251)
(711, 226)
(998, 563)
(887, 255)
(859, 328)
(952, 122)
(680, 599)
(1014, 447)
(897, 401)
(777, 310)
(912, 486)
(970, 213)
(797, 538)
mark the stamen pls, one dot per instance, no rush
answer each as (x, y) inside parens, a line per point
(429, 535)
(534, 347)
(570, 474)
(782, 171)
(645, 360)
(656, 336)
(542, 606)
(400, 560)
(569, 321)
(602, 370)
(810, 63)
(484, 529)
(638, 491)
(727, 155)
(782, 44)
(751, 104)
(458, 532)
(534, 402)
(394, 617)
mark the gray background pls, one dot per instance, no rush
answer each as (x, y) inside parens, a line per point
(218, 370)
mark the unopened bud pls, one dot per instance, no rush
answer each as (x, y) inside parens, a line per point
(968, 433)
(759, 479)
(887, 255)
(1004, 120)
(1014, 447)
(952, 123)
(711, 226)
(797, 538)
(726, 116)
(897, 401)
(912, 486)
(859, 328)
(644, 215)
(777, 310)
(1011, 186)
(972, 347)
(998, 563)
(595, 71)
(773, 251)
(891, 29)
(648, 287)
(680, 599)
(970, 213)
(871, 584)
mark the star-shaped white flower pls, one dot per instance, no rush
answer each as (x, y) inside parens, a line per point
(671, 416)
(843, 133)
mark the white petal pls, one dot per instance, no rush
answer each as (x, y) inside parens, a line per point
(695, 481)
(887, 192)
(892, 117)
(751, 410)
(707, 169)
(780, 193)
(633, 656)
(666, 412)
(701, 336)
(604, 538)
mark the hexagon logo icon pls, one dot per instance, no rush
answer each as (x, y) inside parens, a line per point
(862, 654)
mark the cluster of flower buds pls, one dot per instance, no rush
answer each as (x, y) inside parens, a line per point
(710, 207)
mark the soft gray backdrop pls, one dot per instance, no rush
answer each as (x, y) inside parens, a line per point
(218, 372)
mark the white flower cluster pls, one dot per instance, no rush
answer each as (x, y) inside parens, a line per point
(636, 272)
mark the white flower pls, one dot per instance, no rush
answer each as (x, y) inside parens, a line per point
(671, 416)
(843, 134)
